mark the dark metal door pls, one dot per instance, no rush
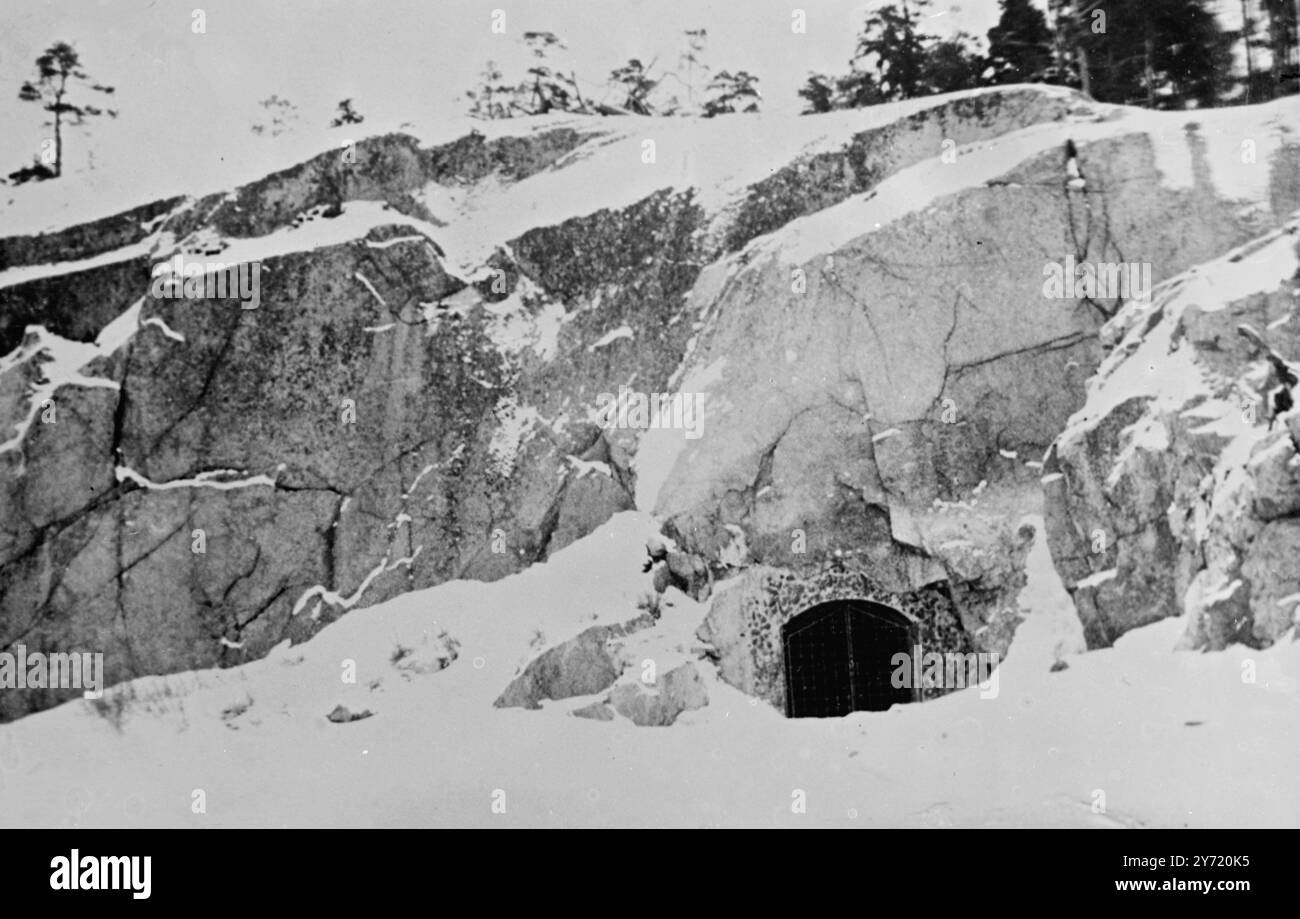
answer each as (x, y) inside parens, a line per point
(819, 678)
(877, 634)
(839, 659)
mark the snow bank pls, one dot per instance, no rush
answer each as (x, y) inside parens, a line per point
(1158, 738)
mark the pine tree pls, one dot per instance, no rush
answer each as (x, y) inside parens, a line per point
(59, 68)
(1073, 36)
(950, 66)
(1284, 45)
(893, 46)
(346, 115)
(819, 93)
(858, 88)
(637, 84)
(693, 59)
(1020, 45)
(1189, 48)
(544, 87)
(1248, 25)
(730, 92)
(895, 59)
(549, 89)
(1157, 53)
(492, 98)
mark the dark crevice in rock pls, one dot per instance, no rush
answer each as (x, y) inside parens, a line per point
(1055, 344)
(152, 549)
(119, 410)
(329, 540)
(242, 575)
(280, 591)
(47, 533)
(214, 367)
(119, 524)
(549, 523)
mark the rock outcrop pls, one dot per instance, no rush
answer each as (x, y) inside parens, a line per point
(582, 666)
(671, 568)
(882, 378)
(656, 705)
(1172, 491)
(185, 483)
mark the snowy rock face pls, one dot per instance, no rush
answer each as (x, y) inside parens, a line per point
(882, 377)
(224, 478)
(850, 316)
(1171, 492)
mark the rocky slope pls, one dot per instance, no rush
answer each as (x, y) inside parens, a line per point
(857, 298)
(894, 393)
(1174, 490)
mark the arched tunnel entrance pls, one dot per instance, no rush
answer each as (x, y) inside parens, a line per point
(839, 658)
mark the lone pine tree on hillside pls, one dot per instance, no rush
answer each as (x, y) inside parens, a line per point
(59, 70)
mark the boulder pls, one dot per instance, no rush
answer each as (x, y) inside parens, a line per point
(596, 711)
(341, 714)
(679, 690)
(582, 666)
(1275, 470)
(687, 572)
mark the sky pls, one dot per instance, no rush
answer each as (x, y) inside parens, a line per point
(185, 96)
(397, 59)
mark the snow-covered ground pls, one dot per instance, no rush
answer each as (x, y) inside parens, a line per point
(1138, 735)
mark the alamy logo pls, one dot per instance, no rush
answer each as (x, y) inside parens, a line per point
(950, 670)
(1106, 280)
(105, 872)
(40, 670)
(632, 409)
(191, 279)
